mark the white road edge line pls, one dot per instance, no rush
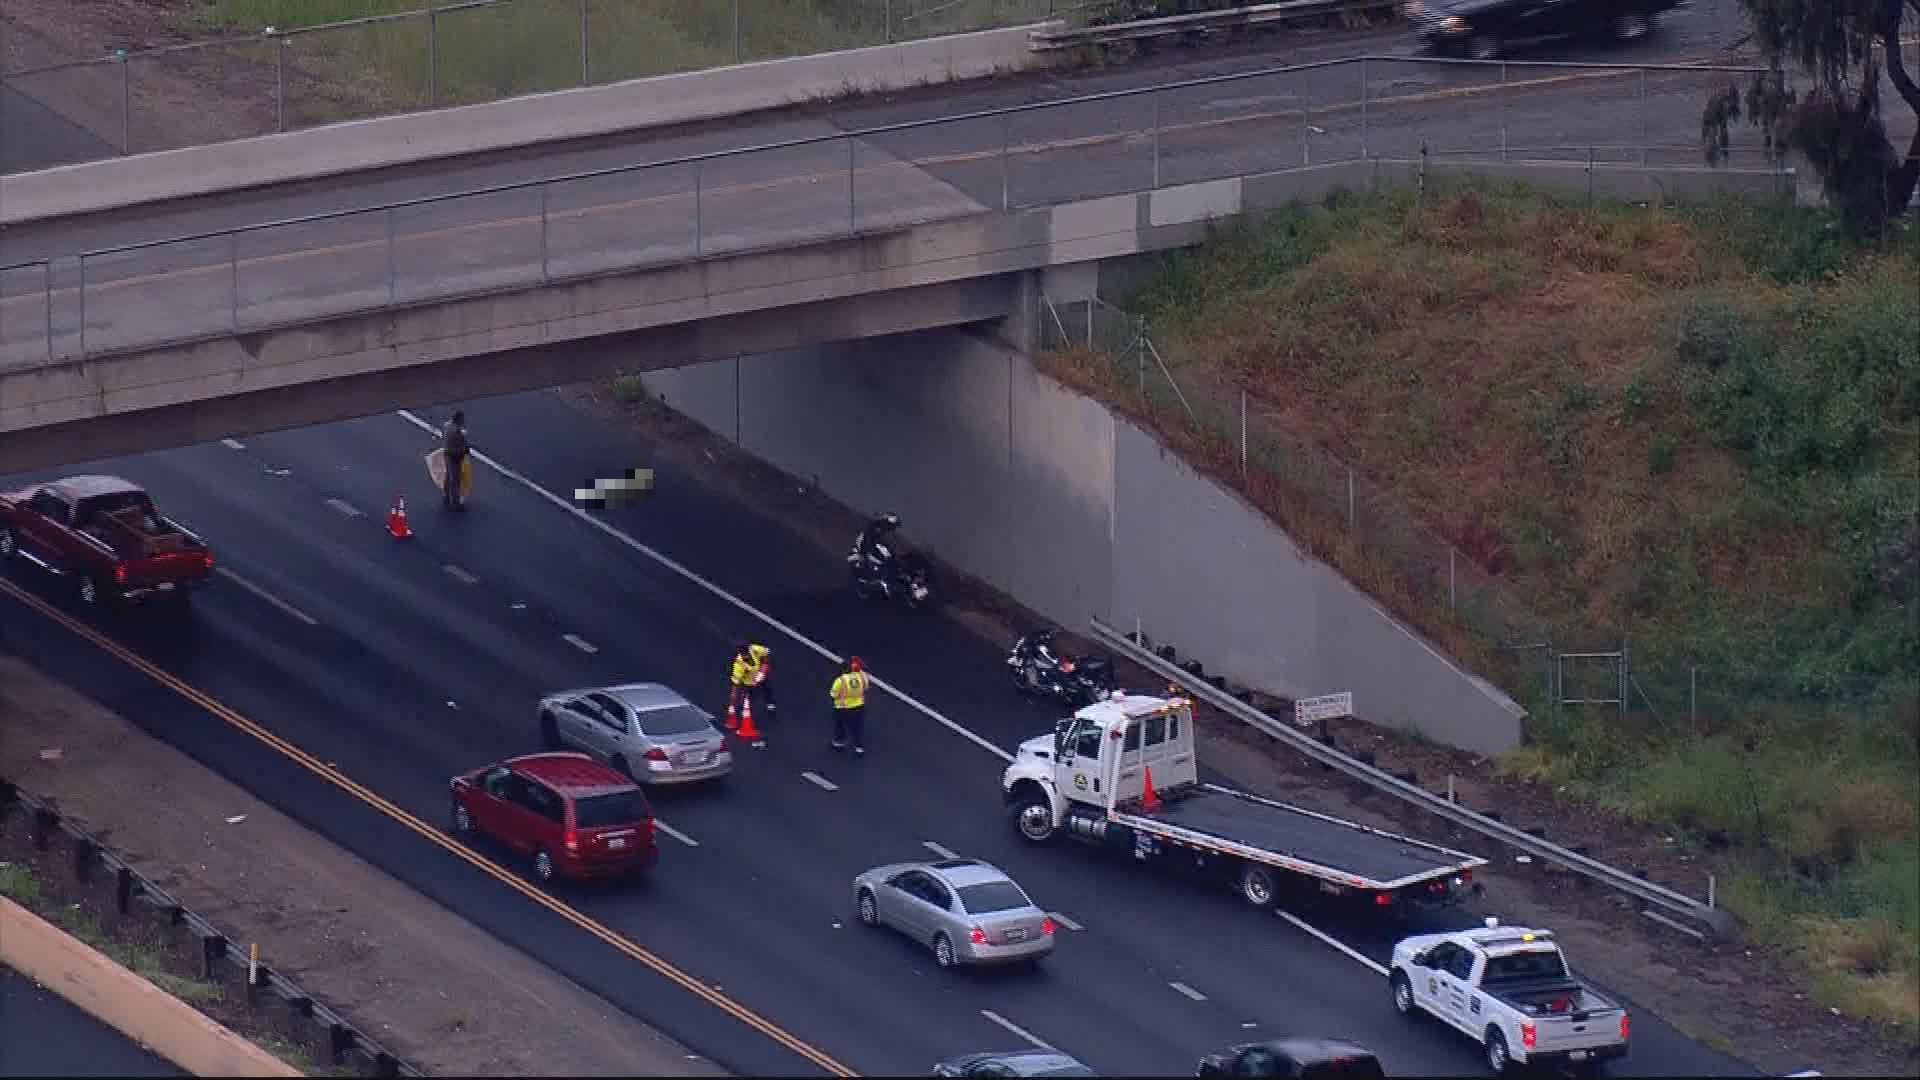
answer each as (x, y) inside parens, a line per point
(821, 782)
(460, 574)
(1354, 954)
(580, 643)
(675, 833)
(1066, 922)
(664, 560)
(266, 596)
(938, 850)
(691, 576)
(1018, 1030)
(233, 444)
(345, 507)
(1188, 991)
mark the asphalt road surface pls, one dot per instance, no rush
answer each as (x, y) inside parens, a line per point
(41, 1034)
(399, 664)
(779, 197)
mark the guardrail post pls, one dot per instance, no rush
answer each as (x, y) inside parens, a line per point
(84, 850)
(339, 1041)
(212, 948)
(122, 890)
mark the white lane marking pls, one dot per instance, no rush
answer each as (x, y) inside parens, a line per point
(1066, 922)
(568, 506)
(1018, 1030)
(344, 507)
(1188, 991)
(675, 833)
(233, 444)
(580, 643)
(1329, 939)
(267, 596)
(820, 781)
(938, 850)
(460, 574)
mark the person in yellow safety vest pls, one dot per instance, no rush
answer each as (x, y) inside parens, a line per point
(761, 687)
(740, 679)
(849, 695)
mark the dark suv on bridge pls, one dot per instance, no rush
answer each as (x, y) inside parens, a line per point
(1483, 29)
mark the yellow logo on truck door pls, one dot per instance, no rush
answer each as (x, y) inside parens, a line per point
(1080, 780)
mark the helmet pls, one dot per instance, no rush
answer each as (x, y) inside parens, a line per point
(854, 664)
(890, 521)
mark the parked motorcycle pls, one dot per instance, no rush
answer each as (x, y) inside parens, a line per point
(1041, 671)
(879, 571)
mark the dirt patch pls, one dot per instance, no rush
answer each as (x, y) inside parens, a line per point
(433, 988)
(1776, 1027)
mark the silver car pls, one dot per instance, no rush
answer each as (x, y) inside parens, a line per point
(645, 730)
(966, 911)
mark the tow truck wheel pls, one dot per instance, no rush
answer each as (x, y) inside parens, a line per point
(1257, 885)
(1034, 820)
(1402, 994)
(1497, 1058)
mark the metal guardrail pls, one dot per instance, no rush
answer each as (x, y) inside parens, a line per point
(70, 334)
(341, 1039)
(1715, 922)
(1197, 23)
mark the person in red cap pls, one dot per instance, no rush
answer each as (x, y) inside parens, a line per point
(849, 695)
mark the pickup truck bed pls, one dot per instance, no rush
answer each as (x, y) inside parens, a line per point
(1384, 859)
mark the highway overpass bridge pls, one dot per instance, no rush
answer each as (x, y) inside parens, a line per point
(826, 236)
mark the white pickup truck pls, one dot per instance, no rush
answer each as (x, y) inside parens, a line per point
(1508, 987)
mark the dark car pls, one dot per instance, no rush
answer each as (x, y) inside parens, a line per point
(1482, 29)
(567, 814)
(1298, 1057)
(103, 535)
(1013, 1063)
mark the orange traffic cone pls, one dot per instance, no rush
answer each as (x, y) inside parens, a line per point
(748, 730)
(1149, 798)
(733, 709)
(397, 525)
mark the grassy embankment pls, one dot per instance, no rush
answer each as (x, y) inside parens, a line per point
(527, 46)
(1697, 430)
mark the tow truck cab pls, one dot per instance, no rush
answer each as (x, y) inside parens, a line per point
(1098, 759)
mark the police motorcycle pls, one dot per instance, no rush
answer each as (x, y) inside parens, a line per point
(1039, 670)
(878, 570)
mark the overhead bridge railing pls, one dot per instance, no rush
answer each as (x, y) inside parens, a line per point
(1200, 24)
(1701, 918)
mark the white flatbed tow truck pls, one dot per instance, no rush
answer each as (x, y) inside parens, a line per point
(1089, 780)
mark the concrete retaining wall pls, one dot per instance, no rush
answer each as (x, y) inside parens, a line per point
(1075, 512)
(126, 1002)
(353, 146)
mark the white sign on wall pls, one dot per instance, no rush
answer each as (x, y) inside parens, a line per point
(1325, 707)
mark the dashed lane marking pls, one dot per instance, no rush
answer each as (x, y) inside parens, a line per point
(675, 833)
(580, 643)
(233, 444)
(460, 574)
(1188, 991)
(1066, 922)
(938, 849)
(1329, 939)
(1023, 1033)
(263, 594)
(820, 782)
(345, 507)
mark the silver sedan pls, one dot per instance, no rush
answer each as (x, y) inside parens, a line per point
(645, 730)
(966, 911)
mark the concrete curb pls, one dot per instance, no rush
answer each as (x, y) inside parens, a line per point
(125, 1001)
(530, 120)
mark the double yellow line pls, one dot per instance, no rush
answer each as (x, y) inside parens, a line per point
(807, 179)
(433, 835)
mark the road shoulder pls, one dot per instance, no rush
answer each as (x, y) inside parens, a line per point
(438, 991)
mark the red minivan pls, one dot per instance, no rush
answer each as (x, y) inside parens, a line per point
(566, 813)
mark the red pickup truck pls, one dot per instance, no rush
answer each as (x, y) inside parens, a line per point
(103, 534)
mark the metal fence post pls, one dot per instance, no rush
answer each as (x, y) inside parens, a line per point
(433, 52)
(586, 54)
(393, 279)
(1006, 163)
(736, 31)
(1243, 438)
(1363, 108)
(1643, 118)
(280, 83)
(1154, 96)
(545, 252)
(1306, 151)
(1353, 517)
(1503, 110)
(853, 220)
(886, 12)
(1453, 595)
(83, 309)
(46, 279)
(1693, 695)
(233, 277)
(699, 245)
(126, 103)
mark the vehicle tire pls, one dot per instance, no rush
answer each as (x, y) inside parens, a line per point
(462, 820)
(1484, 47)
(1257, 886)
(943, 951)
(1402, 994)
(89, 591)
(1497, 1058)
(549, 731)
(1632, 26)
(9, 544)
(869, 910)
(542, 865)
(1033, 820)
